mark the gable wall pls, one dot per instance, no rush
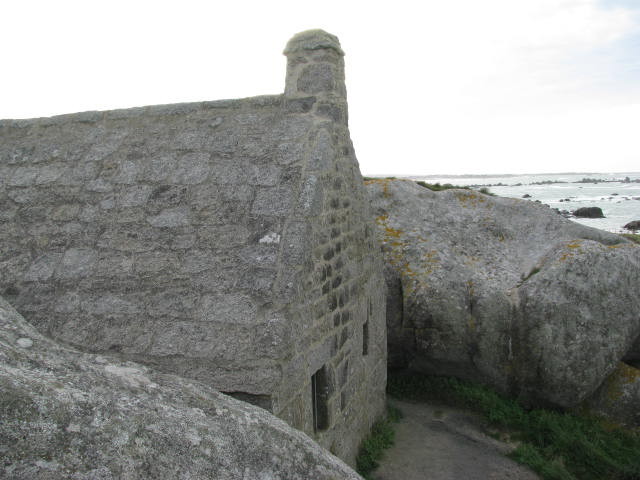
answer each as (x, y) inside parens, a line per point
(342, 289)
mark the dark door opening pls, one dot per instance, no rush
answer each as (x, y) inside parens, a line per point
(365, 338)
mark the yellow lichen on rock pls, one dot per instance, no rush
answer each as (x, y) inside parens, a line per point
(471, 323)
(392, 232)
(391, 238)
(380, 181)
(623, 375)
(470, 199)
(574, 246)
(627, 374)
(470, 287)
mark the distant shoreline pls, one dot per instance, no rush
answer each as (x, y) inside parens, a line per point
(496, 175)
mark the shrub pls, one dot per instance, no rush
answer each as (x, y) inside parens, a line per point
(436, 187)
(486, 191)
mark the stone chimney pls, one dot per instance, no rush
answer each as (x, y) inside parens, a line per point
(315, 67)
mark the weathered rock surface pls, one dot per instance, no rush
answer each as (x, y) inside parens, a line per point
(618, 398)
(504, 291)
(66, 414)
(589, 212)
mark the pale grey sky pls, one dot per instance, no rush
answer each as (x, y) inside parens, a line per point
(434, 87)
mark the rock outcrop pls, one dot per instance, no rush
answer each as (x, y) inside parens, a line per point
(72, 415)
(589, 212)
(504, 291)
(618, 398)
(635, 225)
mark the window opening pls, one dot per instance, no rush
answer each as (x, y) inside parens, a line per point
(365, 338)
(320, 399)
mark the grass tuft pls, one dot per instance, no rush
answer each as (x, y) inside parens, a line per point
(634, 237)
(368, 179)
(531, 274)
(437, 187)
(381, 438)
(556, 445)
(486, 191)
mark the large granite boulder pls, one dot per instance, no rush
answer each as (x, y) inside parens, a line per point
(66, 414)
(504, 291)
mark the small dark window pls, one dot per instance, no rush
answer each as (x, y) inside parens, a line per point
(365, 338)
(320, 399)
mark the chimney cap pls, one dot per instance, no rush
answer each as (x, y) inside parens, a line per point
(312, 40)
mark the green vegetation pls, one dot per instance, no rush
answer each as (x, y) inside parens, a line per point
(556, 445)
(589, 180)
(634, 237)
(531, 274)
(546, 182)
(381, 437)
(486, 191)
(437, 187)
(378, 178)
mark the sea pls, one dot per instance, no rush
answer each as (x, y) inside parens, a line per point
(617, 194)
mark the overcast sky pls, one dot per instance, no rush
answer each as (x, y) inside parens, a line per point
(434, 87)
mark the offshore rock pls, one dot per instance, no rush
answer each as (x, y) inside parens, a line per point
(635, 225)
(589, 212)
(504, 291)
(71, 415)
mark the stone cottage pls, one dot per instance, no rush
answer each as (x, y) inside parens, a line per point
(227, 241)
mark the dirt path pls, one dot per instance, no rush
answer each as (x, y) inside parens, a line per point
(442, 443)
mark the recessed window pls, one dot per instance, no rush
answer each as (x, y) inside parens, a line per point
(320, 399)
(365, 338)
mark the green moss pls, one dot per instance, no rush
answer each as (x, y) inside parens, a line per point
(531, 274)
(556, 445)
(381, 438)
(634, 237)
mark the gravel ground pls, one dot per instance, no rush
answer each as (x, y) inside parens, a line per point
(436, 442)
